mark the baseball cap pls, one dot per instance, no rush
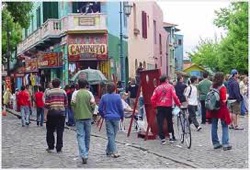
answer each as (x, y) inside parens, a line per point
(234, 71)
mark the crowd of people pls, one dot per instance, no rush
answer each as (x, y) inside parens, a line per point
(75, 104)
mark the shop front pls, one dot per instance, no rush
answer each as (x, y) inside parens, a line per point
(50, 66)
(88, 51)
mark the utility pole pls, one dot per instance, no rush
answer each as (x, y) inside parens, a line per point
(121, 48)
(8, 47)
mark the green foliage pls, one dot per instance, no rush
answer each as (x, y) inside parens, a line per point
(15, 16)
(232, 51)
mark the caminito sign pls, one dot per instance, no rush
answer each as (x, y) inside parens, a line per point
(76, 49)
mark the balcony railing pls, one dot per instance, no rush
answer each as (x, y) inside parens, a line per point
(58, 27)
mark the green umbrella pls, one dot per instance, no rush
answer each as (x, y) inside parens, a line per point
(91, 75)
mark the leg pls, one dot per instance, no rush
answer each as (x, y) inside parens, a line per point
(23, 115)
(81, 138)
(38, 114)
(110, 127)
(192, 115)
(59, 131)
(160, 120)
(27, 111)
(169, 118)
(203, 112)
(214, 134)
(225, 135)
(42, 116)
(87, 129)
(50, 126)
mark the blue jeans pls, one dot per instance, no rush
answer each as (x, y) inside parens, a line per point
(112, 127)
(242, 108)
(83, 129)
(71, 120)
(40, 115)
(225, 135)
(25, 113)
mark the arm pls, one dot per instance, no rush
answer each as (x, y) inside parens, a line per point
(236, 92)
(176, 99)
(223, 93)
(100, 107)
(73, 100)
(120, 108)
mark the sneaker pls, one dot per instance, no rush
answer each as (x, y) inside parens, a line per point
(84, 160)
(59, 151)
(23, 125)
(27, 123)
(37, 123)
(199, 128)
(172, 139)
(226, 148)
(218, 146)
(238, 128)
(49, 150)
(163, 141)
(115, 155)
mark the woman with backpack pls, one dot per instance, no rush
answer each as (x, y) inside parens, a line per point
(222, 113)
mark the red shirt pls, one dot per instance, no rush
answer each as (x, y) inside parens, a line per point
(23, 98)
(39, 99)
(223, 112)
(164, 95)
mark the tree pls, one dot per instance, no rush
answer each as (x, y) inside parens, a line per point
(232, 51)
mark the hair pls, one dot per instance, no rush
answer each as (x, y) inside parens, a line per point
(163, 78)
(40, 88)
(27, 86)
(23, 88)
(218, 79)
(56, 82)
(111, 87)
(82, 83)
(193, 79)
(205, 74)
(66, 87)
(179, 77)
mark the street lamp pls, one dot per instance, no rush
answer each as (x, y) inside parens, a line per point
(127, 12)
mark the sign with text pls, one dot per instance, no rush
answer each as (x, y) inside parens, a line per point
(86, 21)
(31, 65)
(87, 51)
(49, 60)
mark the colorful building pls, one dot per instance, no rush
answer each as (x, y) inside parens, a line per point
(179, 52)
(64, 37)
(146, 37)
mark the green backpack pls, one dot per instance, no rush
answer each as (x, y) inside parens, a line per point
(212, 101)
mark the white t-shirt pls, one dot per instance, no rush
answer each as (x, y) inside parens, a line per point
(125, 104)
(193, 99)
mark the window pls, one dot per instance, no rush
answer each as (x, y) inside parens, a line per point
(136, 64)
(134, 11)
(144, 64)
(144, 24)
(155, 32)
(86, 7)
(148, 20)
(38, 17)
(26, 33)
(179, 42)
(50, 10)
(32, 23)
(160, 43)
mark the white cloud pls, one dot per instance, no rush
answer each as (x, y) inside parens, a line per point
(195, 19)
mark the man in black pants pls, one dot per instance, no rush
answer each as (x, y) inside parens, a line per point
(56, 100)
(162, 100)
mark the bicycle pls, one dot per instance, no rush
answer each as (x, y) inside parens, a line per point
(183, 127)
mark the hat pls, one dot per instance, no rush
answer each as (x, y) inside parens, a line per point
(234, 71)
(123, 93)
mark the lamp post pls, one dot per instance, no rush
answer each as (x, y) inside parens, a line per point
(127, 11)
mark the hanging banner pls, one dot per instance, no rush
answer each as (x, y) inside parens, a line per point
(31, 65)
(50, 60)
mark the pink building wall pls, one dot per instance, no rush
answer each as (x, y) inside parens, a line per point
(145, 49)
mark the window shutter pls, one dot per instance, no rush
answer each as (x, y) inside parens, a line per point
(144, 24)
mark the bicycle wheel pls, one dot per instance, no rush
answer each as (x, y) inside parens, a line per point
(180, 128)
(187, 134)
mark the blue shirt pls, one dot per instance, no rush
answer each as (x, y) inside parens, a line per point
(110, 107)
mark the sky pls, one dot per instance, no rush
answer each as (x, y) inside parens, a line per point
(194, 19)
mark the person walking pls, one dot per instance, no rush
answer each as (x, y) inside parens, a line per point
(24, 103)
(6, 97)
(55, 101)
(180, 88)
(162, 100)
(132, 92)
(222, 114)
(111, 109)
(234, 99)
(203, 88)
(71, 120)
(39, 106)
(192, 99)
(83, 104)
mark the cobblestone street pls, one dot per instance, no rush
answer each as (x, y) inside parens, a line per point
(24, 147)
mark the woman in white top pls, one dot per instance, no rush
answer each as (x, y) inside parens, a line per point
(192, 99)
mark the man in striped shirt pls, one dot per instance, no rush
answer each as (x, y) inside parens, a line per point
(55, 101)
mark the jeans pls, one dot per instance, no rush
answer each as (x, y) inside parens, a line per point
(225, 135)
(242, 108)
(55, 123)
(83, 129)
(203, 111)
(162, 114)
(71, 120)
(192, 115)
(40, 115)
(25, 113)
(112, 127)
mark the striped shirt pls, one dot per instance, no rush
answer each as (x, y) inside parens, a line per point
(56, 99)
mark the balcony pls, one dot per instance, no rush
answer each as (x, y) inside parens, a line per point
(56, 28)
